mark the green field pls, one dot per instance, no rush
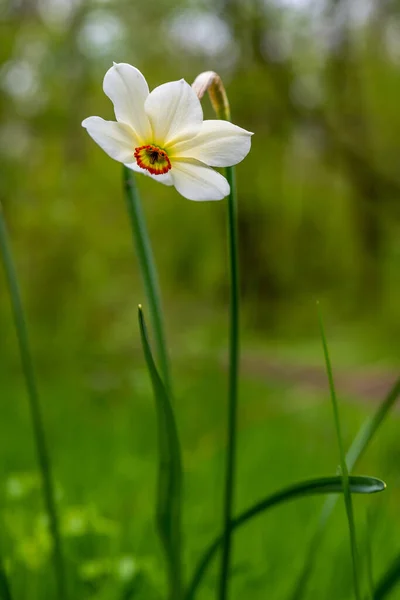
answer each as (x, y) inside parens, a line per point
(101, 430)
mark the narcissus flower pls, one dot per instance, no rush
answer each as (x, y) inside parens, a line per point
(162, 134)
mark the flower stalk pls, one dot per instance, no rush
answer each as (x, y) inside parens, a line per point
(34, 405)
(211, 82)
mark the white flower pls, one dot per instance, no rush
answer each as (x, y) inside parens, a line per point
(162, 134)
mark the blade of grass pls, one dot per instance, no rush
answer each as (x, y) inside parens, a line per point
(148, 270)
(323, 485)
(389, 580)
(169, 484)
(343, 464)
(356, 450)
(34, 405)
(5, 589)
(371, 426)
(368, 556)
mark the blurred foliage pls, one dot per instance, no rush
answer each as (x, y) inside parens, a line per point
(319, 214)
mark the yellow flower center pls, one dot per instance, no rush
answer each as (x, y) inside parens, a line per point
(153, 159)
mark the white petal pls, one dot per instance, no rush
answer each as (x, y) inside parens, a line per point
(164, 178)
(117, 139)
(195, 181)
(219, 144)
(127, 89)
(175, 112)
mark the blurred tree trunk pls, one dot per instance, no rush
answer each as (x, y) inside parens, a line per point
(251, 22)
(344, 123)
(344, 89)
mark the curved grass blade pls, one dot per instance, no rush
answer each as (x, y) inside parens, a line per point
(356, 450)
(343, 464)
(323, 485)
(138, 586)
(389, 580)
(148, 270)
(169, 484)
(34, 406)
(369, 529)
(5, 589)
(371, 426)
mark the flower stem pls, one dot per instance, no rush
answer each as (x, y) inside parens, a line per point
(210, 82)
(233, 386)
(148, 270)
(34, 405)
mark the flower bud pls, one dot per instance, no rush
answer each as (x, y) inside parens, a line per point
(211, 82)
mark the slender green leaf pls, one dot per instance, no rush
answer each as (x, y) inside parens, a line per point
(169, 492)
(389, 580)
(371, 426)
(368, 557)
(356, 450)
(323, 485)
(34, 406)
(343, 464)
(139, 586)
(5, 589)
(148, 270)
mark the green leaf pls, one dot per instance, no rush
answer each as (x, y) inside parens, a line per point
(38, 427)
(357, 449)
(369, 529)
(169, 481)
(148, 270)
(371, 426)
(323, 485)
(5, 589)
(343, 464)
(389, 580)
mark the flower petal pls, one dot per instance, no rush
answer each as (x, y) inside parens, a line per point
(174, 111)
(164, 178)
(196, 181)
(116, 139)
(127, 89)
(218, 144)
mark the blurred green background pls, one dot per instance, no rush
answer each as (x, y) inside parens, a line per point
(318, 83)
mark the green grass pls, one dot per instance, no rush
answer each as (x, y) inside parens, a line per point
(101, 430)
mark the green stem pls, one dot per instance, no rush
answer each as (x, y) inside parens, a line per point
(343, 463)
(34, 405)
(148, 270)
(233, 387)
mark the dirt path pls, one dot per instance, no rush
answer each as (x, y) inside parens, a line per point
(367, 383)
